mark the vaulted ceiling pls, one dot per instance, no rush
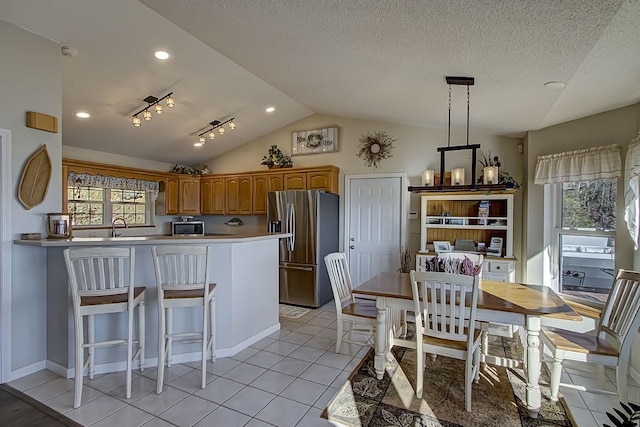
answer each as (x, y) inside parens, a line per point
(372, 59)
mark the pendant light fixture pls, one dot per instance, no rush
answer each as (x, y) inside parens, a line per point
(153, 102)
(216, 124)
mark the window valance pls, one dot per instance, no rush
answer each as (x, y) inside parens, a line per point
(632, 189)
(579, 165)
(89, 180)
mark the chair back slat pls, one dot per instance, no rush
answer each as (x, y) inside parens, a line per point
(440, 304)
(99, 271)
(340, 279)
(621, 313)
(182, 267)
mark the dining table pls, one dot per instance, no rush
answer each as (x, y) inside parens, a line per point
(498, 302)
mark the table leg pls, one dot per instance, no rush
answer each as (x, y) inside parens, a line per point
(381, 337)
(533, 366)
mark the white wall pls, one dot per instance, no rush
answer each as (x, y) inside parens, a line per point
(415, 151)
(30, 80)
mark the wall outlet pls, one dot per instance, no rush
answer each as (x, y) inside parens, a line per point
(413, 215)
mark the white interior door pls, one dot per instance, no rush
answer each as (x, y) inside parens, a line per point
(375, 226)
(5, 255)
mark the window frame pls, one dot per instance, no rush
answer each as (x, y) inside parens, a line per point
(557, 230)
(107, 209)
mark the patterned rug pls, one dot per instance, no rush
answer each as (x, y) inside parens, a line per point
(291, 311)
(497, 400)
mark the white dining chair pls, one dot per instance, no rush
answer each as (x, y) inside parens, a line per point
(182, 279)
(101, 282)
(444, 325)
(610, 346)
(360, 315)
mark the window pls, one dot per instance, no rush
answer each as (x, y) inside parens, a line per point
(94, 206)
(586, 237)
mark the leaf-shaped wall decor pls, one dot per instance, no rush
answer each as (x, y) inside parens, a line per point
(35, 179)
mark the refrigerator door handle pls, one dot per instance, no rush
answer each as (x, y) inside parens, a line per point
(291, 226)
(297, 268)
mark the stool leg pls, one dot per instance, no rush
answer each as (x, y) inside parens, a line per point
(205, 342)
(212, 323)
(91, 338)
(141, 333)
(129, 348)
(169, 338)
(77, 395)
(161, 344)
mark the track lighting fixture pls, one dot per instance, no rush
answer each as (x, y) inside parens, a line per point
(216, 124)
(154, 102)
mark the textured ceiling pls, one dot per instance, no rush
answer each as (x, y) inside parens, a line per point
(374, 59)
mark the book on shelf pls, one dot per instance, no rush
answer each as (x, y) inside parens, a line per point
(483, 212)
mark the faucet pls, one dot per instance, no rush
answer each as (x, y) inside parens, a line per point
(113, 226)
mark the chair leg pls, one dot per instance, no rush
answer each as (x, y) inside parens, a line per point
(161, 348)
(484, 339)
(129, 349)
(476, 365)
(340, 325)
(556, 373)
(420, 361)
(141, 333)
(205, 340)
(77, 395)
(212, 327)
(468, 380)
(169, 333)
(622, 372)
(91, 338)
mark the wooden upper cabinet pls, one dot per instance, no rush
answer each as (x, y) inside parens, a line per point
(245, 192)
(218, 187)
(260, 189)
(171, 196)
(295, 181)
(189, 195)
(206, 196)
(321, 181)
(231, 195)
(276, 182)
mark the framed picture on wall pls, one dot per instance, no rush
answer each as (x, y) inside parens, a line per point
(315, 141)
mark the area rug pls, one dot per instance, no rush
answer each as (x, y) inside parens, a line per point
(497, 400)
(19, 410)
(291, 311)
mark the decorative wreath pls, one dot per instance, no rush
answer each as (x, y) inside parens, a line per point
(375, 147)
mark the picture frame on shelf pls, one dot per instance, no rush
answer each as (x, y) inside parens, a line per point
(441, 246)
(315, 141)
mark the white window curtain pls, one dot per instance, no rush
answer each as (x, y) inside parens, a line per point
(580, 165)
(632, 189)
(100, 181)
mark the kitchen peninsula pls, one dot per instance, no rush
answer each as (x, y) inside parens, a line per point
(245, 269)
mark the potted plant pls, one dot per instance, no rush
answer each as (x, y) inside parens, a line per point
(275, 157)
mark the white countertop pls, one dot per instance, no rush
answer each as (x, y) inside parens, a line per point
(152, 240)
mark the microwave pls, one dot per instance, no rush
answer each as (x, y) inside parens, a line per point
(187, 228)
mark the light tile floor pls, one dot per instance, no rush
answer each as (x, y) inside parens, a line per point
(284, 380)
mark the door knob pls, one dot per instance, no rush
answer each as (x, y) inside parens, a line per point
(352, 247)
(353, 239)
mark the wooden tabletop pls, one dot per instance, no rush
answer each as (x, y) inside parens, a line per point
(499, 296)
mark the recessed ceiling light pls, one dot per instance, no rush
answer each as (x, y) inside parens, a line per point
(83, 115)
(161, 54)
(270, 109)
(553, 85)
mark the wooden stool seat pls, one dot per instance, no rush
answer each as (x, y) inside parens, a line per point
(112, 299)
(188, 293)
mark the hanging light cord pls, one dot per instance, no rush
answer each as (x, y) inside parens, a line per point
(449, 127)
(468, 98)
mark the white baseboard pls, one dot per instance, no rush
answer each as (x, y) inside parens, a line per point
(27, 370)
(152, 362)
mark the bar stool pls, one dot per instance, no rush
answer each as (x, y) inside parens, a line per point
(101, 282)
(182, 279)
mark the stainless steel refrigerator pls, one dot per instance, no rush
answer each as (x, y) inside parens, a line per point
(312, 219)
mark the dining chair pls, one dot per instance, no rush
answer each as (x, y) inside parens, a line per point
(361, 315)
(182, 279)
(611, 345)
(101, 282)
(444, 325)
